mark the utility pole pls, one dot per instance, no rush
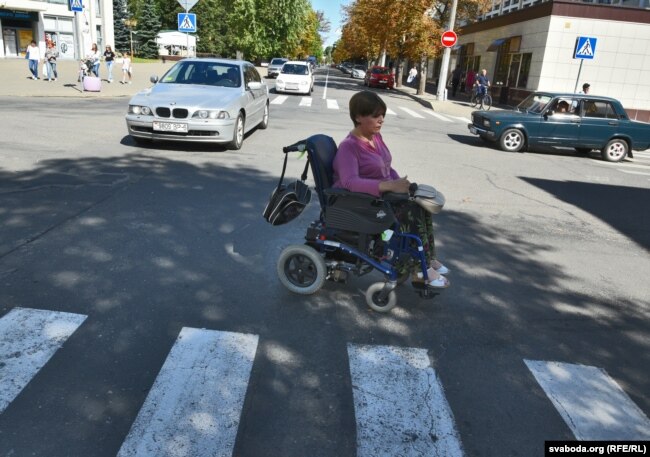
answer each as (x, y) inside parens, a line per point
(442, 79)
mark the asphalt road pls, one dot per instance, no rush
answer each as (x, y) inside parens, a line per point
(548, 252)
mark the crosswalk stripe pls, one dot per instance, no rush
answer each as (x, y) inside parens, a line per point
(332, 104)
(391, 112)
(306, 101)
(280, 99)
(437, 116)
(28, 339)
(591, 403)
(411, 112)
(460, 118)
(399, 403)
(195, 404)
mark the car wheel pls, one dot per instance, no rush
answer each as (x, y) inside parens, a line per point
(265, 117)
(583, 151)
(615, 150)
(238, 134)
(512, 140)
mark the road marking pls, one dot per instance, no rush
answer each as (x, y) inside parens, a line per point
(399, 403)
(391, 112)
(28, 339)
(437, 116)
(331, 104)
(635, 172)
(306, 101)
(591, 403)
(326, 79)
(411, 112)
(280, 99)
(460, 118)
(194, 407)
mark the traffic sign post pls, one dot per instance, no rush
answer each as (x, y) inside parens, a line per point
(188, 22)
(585, 50)
(449, 38)
(76, 6)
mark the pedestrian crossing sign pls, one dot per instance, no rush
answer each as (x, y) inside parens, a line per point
(76, 5)
(585, 48)
(186, 22)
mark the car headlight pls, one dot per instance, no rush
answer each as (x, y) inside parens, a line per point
(303, 83)
(139, 109)
(486, 123)
(279, 81)
(208, 114)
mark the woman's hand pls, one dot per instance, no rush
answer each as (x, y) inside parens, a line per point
(399, 186)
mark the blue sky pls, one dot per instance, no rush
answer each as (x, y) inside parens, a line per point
(332, 10)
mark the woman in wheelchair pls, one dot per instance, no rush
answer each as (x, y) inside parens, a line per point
(363, 164)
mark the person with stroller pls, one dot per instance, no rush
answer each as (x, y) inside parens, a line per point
(94, 57)
(363, 164)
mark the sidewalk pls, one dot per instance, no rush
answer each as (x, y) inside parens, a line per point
(15, 80)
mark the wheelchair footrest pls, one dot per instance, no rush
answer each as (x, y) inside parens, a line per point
(425, 291)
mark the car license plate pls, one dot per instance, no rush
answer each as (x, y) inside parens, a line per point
(473, 130)
(292, 86)
(383, 82)
(170, 126)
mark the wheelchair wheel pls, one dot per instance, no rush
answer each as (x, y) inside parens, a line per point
(381, 306)
(301, 269)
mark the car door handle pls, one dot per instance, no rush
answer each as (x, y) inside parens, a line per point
(575, 121)
(613, 123)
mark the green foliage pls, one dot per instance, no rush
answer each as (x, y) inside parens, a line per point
(148, 28)
(120, 18)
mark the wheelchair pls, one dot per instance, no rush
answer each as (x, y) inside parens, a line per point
(355, 234)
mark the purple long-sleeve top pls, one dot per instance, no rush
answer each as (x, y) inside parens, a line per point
(359, 167)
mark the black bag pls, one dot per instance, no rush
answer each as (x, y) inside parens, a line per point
(287, 201)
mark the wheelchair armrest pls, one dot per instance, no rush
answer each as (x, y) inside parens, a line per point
(395, 197)
(336, 192)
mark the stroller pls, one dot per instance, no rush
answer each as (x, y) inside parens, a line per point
(85, 69)
(355, 233)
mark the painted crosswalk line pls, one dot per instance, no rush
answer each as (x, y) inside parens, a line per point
(411, 112)
(437, 116)
(195, 404)
(280, 99)
(591, 403)
(462, 119)
(306, 101)
(28, 339)
(391, 112)
(400, 405)
(332, 104)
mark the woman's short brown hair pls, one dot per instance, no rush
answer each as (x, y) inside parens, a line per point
(366, 103)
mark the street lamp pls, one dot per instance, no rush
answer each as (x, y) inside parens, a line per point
(131, 32)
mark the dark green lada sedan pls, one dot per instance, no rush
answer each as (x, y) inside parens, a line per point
(579, 121)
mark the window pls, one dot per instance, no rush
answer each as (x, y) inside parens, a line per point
(599, 109)
(512, 67)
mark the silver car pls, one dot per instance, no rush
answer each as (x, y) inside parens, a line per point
(201, 100)
(275, 66)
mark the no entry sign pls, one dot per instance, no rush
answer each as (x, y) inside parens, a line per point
(449, 38)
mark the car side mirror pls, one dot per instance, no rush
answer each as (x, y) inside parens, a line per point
(549, 112)
(254, 85)
(154, 79)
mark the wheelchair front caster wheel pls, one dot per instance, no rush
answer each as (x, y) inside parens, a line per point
(301, 269)
(376, 303)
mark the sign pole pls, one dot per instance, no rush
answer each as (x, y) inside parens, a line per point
(442, 79)
(575, 89)
(187, 36)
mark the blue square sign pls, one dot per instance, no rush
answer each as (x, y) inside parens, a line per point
(186, 22)
(585, 48)
(76, 6)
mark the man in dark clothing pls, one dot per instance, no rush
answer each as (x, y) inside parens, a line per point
(483, 82)
(455, 80)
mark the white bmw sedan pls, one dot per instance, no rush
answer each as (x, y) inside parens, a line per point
(201, 100)
(295, 77)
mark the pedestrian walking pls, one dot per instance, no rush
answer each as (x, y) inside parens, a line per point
(413, 73)
(33, 56)
(469, 80)
(455, 80)
(126, 68)
(109, 57)
(585, 88)
(51, 54)
(94, 57)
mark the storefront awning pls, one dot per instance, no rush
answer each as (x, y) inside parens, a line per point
(495, 44)
(22, 5)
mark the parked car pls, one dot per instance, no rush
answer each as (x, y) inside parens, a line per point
(295, 77)
(201, 100)
(379, 77)
(274, 67)
(579, 121)
(358, 71)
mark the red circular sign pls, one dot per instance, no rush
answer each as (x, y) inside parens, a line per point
(449, 38)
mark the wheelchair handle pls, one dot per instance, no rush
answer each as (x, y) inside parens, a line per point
(412, 188)
(296, 147)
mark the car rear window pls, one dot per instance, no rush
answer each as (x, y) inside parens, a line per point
(278, 61)
(381, 71)
(295, 69)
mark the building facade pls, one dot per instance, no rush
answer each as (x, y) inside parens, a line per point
(528, 45)
(73, 33)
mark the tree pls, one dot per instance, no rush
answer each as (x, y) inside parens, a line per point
(120, 18)
(148, 28)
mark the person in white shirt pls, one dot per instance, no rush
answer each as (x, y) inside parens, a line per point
(412, 75)
(95, 56)
(126, 68)
(34, 57)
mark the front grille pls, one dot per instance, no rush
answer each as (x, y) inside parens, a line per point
(180, 113)
(163, 112)
(477, 120)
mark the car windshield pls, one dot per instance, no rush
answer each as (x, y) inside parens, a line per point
(295, 69)
(534, 103)
(203, 74)
(278, 61)
(360, 67)
(381, 71)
